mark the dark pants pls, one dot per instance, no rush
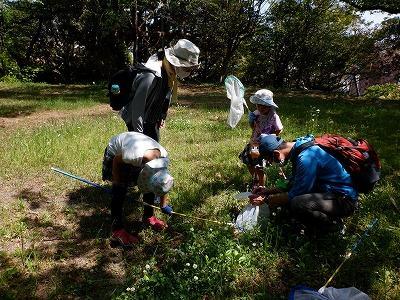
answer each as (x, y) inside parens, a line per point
(119, 191)
(321, 209)
(117, 203)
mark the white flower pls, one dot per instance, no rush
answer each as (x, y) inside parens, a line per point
(318, 110)
(187, 265)
(194, 266)
(210, 229)
(196, 278)
(254, 244)
(312, 120)
(130, 289)
(144, 271)
(147, 267)
(191, 229)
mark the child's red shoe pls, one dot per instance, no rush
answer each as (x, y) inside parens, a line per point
(124, 238)
(155, 223)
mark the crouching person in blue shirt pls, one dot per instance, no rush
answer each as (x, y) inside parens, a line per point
(320, 190)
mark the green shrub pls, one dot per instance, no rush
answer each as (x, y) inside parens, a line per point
(388, 91)
(9, 79)
(8, 66)
(30, 74)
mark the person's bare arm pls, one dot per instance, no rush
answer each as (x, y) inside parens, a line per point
(274, 200)
(164, 200)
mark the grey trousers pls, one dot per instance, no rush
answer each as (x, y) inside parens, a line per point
(321, 208)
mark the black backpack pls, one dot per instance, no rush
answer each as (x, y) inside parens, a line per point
(120, 85)
(358, 157)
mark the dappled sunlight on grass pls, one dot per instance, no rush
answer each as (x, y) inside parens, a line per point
(65, 225)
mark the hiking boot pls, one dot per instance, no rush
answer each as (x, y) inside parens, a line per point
(155, 223)
(123, 238)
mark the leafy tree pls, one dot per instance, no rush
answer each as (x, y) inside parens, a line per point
(303, 43)
(218, 27)
(390, 6)
(382, 59)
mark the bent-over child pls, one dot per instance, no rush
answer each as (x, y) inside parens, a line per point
(134, 158)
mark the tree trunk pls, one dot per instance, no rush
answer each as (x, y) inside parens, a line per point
(33, 41)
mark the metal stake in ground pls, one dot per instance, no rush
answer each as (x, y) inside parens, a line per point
(108, 191)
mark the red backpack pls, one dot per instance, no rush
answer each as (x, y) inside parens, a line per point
(358, 157)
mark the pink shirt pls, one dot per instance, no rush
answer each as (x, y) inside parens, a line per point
(267, 124)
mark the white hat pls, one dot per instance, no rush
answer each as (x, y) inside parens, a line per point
(263, 97)
(183, 54)
(155, 178)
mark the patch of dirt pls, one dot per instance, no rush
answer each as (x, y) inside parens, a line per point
(47, 244)
(39, 118)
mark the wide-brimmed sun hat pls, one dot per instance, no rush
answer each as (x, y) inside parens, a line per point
(263, 97)
(155, 178)
(269, 143)
(183, 54)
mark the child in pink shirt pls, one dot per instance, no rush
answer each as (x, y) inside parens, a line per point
(263, 120)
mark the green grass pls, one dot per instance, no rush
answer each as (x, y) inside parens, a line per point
(191, 260)
(21, 99)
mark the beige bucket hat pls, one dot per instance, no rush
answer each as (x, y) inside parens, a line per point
(183, 54)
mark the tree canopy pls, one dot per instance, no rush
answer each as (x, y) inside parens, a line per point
(309, 43)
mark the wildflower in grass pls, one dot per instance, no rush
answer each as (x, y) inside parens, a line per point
(187, 264)
(147, 267)
(318, 110)
(211, 229)
(254, 244)
(130, 289)
(196, 278)
(191, 229)
(194, 266)
(144, 271)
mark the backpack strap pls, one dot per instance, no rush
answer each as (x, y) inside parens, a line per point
(140, 67)
(304, 146)
(298, 150)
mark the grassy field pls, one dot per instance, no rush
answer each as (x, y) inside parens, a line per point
(54, 231)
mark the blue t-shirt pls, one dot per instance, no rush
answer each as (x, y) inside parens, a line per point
(319, 172)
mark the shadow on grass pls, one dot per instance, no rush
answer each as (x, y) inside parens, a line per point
(12, 111)
(25, 99)
(82, 262)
